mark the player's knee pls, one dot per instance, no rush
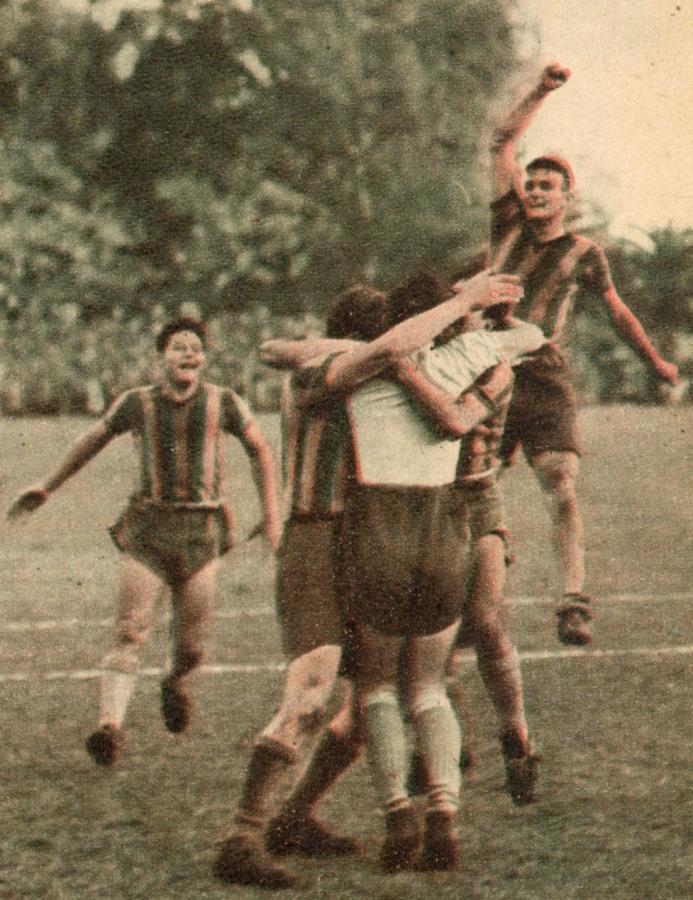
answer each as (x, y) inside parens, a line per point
(557, 473)
(428, 697)
(122, 658)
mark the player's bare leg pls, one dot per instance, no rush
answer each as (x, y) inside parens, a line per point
(192, 607)
(137, 593)
(557, 473)
(499, 666)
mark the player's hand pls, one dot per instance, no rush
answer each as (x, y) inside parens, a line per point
(668, 372)
(27, 502)
(553, 76)
(490, 288)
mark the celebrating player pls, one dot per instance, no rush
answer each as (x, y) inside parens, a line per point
(175, 527)
(529, 238)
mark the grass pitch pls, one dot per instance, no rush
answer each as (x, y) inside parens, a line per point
(613, 723)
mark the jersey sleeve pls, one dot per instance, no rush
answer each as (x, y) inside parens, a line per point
(123, 414)
(309, 385)
(235, 413)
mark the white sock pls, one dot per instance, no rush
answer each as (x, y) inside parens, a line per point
(116, 690)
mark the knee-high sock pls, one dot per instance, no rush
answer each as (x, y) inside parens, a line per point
(439, 742)
(267, 769)
(331, 759)
(116, 691)
(386, 748)
(503, 680)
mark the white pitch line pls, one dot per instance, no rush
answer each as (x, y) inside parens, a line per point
(250, 612)
(273, 667)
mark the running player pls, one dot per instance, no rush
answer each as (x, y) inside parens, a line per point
(529, 237)
(175, 527)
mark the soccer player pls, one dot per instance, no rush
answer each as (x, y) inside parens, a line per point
(529, 237)
(176, 526)
(485, 626)
(306, 587)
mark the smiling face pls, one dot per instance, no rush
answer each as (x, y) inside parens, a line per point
(545, 196)
(184, 359)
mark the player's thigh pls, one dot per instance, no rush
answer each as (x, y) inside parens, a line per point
(194, 599)
(138, 590)
(427, 656)
(378, 658)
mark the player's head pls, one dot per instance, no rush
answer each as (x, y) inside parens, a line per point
(359, 313)
(547, 191)
(182, 343)
(420, 292)
(552, 162)
(184, 323)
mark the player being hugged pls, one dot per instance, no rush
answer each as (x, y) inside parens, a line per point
(176, 526)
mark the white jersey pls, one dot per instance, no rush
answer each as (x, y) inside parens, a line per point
(393, 442)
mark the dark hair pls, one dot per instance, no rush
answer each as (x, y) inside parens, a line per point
(555, 164)
(422, 291)
(359, 313)
(184, 323)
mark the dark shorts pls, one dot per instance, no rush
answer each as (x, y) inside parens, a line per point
(543, 410)
(308, 587)
(174, 543)
(405, 554)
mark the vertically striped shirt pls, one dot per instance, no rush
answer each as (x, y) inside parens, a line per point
(554, 272)
(479, 448)
(317, 450)
(181, 444)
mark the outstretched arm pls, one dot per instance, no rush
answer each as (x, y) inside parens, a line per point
(368, 360)
(262, 467)
(455, 417)
(282, 353)
(633, 332)
(78, 456)
(516, 123)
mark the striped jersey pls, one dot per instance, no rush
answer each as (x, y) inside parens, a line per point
(317, 455)
(554, 272)
(180, 444)
(479, 448)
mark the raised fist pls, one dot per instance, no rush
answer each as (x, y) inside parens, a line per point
(553, 76)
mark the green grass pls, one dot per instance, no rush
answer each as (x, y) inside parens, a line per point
(615, 815)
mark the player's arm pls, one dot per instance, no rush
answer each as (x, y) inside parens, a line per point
(262, 468)
(281, 353)
(508, 133)
(633, 332)
(453, 416)
(81, 452)
(369, 360)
